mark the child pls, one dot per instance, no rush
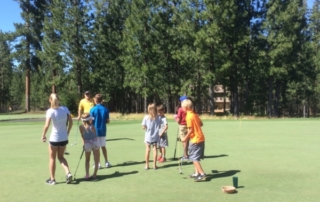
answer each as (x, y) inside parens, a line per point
(196, 136)
(90, 143)
(101, 118)
(181, 119)
(163, 143)
(151, 124)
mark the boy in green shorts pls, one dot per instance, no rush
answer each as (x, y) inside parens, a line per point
(196, 136)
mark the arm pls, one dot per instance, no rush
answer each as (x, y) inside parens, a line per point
(108, 121)
(184, 139)
(201, 124)
(45, 129)
(178, 118)
(80, 110)
(164, 130)
(81, 131)
(93, 129)
(70, 124)
(144, 127)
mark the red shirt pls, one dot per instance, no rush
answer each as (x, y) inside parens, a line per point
(182, 116)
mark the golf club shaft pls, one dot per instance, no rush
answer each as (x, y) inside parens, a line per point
(175, 148)
(79, 162)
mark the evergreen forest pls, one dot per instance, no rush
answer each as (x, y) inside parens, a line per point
(265, 54)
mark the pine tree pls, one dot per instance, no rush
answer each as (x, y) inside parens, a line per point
(6, 66)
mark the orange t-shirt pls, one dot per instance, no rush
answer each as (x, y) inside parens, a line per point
(194, 122)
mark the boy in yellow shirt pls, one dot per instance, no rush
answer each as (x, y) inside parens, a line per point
(196, 136)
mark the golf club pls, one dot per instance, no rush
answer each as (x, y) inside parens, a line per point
(179, 160)
(77, 129)
(175, 148)
(78, 164)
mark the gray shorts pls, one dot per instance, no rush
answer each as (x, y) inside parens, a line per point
(196, 151)
(163, 141)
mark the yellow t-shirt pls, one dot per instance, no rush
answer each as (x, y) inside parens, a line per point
(194, 122)
(85, 105)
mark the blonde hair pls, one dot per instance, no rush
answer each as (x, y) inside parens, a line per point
(54, 100)
(152, 111)
(187, 104)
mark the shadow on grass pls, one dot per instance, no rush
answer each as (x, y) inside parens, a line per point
(205, 157)
(129, 163)
(218, 174)
(103, 177)
(116, 139)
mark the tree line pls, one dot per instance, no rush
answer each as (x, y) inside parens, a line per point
(264, 53)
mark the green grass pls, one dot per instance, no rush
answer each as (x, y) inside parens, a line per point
(275, 160)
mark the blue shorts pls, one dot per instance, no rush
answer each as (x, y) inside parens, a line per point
(196, 151)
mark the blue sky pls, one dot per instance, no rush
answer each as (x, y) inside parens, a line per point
(10, 13)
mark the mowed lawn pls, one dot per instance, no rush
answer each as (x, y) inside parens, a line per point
(274, 160)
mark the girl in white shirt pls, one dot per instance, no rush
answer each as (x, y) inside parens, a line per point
(61, 126)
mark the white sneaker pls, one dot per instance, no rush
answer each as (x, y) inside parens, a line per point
(99, 167)
(68, 178)
(108, 165)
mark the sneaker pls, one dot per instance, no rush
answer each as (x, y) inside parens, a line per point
(159, 157)
(68, 178)
(184, 158)
(200, 178)
(50, 182)
(162, 160)
(193, 176)
(108, 165)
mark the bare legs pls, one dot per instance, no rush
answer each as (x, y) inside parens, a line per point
(96, 162)
(104, 152)
(147, 156)
(53, 152)
(185, 148)
(198, 168)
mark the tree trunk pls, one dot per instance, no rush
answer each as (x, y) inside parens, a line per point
(199, 101)
(270, 97)
(277, 99)
(27, 86)
(211, 101)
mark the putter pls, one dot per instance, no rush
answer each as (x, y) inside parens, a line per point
(175, 148)
(179, 160)
(76, 135)
(78, 165)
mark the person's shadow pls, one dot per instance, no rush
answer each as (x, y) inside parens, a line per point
(103, 177)
(218, 174)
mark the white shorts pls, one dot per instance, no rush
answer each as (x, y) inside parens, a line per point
(91, 145)
(102, 141)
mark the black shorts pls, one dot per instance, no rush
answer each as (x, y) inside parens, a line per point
(59, 144)
(152, 143)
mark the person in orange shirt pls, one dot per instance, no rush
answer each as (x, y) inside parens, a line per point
(196, 137)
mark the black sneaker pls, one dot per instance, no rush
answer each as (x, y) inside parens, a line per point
(194, 176)
(50, 182)
(200, 178)
(68, 178)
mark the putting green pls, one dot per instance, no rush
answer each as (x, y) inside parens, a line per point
(274, 160)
